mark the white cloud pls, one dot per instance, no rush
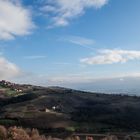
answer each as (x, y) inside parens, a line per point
(77, 78)
(35, 57)
(112, 56)
(8, 69)
(15, 20)
(72, 80)
(87, 77)
(65, 10)
(81, 41)
(47, 80)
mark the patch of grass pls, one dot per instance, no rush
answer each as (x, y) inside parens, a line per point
(71, 129)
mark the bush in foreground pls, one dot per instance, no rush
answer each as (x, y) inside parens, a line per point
(18, 133)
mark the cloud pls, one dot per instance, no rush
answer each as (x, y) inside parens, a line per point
(35, 57)
(73, 80)
(15, 20)
(81, 41)
(112, 56)
(47, 80)
(8, 69)
(62, 11)
(87, 78)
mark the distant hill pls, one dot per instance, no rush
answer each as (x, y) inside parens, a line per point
(55, 107)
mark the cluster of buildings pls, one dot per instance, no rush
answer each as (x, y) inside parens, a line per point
(10, 85)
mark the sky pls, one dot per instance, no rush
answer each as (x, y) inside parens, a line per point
(82, 44)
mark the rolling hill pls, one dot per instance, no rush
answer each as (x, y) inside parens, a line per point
(56, 108)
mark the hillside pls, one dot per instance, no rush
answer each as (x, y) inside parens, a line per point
(54, 108)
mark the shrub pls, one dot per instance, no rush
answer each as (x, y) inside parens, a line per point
(3, 133)
(18, 133)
